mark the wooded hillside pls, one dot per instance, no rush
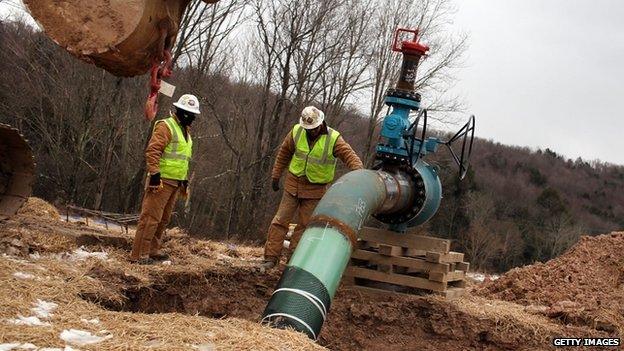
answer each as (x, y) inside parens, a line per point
(518, 206)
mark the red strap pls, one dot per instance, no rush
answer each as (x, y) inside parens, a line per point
(158, 71)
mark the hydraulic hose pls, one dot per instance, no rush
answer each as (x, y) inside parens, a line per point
(303, 295)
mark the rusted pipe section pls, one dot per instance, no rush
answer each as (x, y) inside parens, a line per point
(399, 192)
(122, 37)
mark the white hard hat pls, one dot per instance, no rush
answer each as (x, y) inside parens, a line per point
(311, 117)
(188, 103)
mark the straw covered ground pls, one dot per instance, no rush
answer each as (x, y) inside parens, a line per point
(45, 267)
(66, 285)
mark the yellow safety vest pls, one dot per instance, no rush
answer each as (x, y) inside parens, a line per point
(318, 164)
(174, 162)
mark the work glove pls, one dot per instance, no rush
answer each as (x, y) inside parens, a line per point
(184, 191)
(155, 183)
(275, 184)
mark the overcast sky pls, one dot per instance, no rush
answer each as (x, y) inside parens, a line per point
(547, 73)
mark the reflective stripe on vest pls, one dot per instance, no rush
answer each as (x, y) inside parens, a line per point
(174, 162)
(318, 164)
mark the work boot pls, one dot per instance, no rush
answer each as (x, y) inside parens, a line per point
(142, 261)
(146, 261)
(268, 264)
(159, 257)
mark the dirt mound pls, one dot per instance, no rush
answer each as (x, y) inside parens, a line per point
(584, 286)
(365, 321)
(37, 207)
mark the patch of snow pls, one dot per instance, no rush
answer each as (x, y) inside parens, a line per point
(43, 309)
(90, 321)
(81, 254)
(205, 347)
(154, 343)
(224, 257)
(167, 263)
(13, 258)
(81, 337)
(17, 346)
(31, 321)
(22, 275)
(481, 277)
(35, 256)
(477, 276)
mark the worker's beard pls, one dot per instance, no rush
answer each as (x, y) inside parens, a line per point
(185, 118)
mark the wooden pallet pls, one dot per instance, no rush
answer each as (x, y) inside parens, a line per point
(406, 263)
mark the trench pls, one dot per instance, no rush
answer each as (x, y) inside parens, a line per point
(356, 321)
(240, 294)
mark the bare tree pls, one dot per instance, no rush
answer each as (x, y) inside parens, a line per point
(480, 242)
(202, 42)
(561, 233)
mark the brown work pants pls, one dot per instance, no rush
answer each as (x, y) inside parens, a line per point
(279, 225)
(155, 214)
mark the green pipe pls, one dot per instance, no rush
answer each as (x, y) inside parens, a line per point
(309, 282)
(324, 250)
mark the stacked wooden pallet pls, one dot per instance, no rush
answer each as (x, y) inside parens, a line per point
(408, 263)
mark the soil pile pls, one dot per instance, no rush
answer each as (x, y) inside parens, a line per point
(37, 207)
(584, 286)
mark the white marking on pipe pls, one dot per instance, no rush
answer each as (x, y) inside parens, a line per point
(320, 306)
(291, 317)
(360, 208)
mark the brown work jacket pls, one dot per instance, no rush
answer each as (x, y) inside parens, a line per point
(301, 186)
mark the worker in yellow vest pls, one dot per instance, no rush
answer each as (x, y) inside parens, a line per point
(309, 151)
(167, 156)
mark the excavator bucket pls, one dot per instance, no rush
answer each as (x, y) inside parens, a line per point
(17, 171)
(121, 36)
